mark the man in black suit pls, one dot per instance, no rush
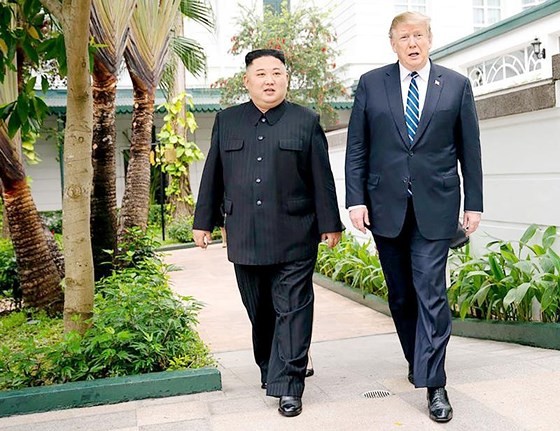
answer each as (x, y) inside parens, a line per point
(268, 163)
(411, 123)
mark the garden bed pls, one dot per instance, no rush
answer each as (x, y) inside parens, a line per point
(536, 334)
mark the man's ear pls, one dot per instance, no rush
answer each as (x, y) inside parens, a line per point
(245, 79)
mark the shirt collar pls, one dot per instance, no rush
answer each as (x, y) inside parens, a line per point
(272, 115)
(424, 72)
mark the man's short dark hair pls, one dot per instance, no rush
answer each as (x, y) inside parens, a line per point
(258, 53)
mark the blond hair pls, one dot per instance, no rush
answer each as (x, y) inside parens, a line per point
(410, 17)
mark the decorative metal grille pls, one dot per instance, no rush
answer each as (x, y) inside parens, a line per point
(507, 66)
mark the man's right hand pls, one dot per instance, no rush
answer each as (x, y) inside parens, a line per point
(360, 218)
(202, 237)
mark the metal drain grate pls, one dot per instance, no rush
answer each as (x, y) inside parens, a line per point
(377, 393)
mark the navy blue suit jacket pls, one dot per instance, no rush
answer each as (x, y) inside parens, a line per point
(380, 162)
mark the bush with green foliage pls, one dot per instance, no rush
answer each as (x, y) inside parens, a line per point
(139, 326)
(181, 229)
(53, 220)
(510, 281)
(353, 264)
(9, 278)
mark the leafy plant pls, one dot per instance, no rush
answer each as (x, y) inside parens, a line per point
(9, 278)
(181, 229)
(175, 153)
(353, 264)
(509, 280)
(306, 37)
(139, 325)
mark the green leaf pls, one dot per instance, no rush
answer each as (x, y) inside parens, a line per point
(549, 236)
(529, 233)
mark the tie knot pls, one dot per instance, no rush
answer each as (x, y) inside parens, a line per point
(413, 75)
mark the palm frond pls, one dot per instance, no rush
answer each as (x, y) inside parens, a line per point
(109, 25)
(148, 44)
(199, 11)
(191, 54)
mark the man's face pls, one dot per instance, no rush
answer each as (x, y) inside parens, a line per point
(412, 43)
(266, 80)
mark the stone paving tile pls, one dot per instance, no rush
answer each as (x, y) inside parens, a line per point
(179, 411)
(80, 422)
(194, 425)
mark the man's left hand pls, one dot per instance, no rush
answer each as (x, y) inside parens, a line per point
(471, 220)
(331, 238)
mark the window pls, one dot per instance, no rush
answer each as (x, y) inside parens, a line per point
(416, 5)
(527, 4)
(275, 5)
(485, 13)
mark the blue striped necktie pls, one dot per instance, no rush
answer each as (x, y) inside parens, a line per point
(412, 112)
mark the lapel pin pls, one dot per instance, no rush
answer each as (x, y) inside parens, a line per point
(436, 82)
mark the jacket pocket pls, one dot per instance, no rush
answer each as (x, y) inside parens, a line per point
(233, 145)
(452, 181)
(228, 206)
(299, 206)
(291, 144)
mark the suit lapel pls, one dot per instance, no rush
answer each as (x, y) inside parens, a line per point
(435, 86)
(394, 96)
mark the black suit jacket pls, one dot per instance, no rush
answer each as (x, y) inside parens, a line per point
(380, 162)
(275, 181)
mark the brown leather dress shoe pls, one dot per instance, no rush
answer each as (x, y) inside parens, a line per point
(290, 406)
(438, 405)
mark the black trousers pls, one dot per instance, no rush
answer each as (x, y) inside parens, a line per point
(414, 269)
(279, 301)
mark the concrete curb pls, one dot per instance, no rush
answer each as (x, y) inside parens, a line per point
(536, 334)
(109, 391)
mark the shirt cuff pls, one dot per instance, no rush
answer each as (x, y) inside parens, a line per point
(353, 207)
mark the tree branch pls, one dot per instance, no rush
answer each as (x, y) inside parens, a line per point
(55, 8)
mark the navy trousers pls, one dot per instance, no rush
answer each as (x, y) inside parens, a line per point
(414, 269)
(279, 301)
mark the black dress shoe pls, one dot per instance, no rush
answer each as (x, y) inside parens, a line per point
(264, 385)
(438, 405)
(410, 374)
(289, 406)
(309, 372)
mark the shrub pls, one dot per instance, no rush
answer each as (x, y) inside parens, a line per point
(508, 280)
(139, 326)
(181, 229)
(53, 220)
(353, 264)
(9, 278)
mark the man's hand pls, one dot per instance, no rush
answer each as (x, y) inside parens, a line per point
(202, 237)
(360, 218)
(331, 238)
(471, 220)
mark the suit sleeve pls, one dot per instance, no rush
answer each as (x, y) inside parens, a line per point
(469, 153)
(211, 193)
(326, 205)
(357, 150)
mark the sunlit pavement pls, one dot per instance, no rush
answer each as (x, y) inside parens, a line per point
(492, 386)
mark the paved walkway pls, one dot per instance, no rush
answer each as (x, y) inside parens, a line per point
(492, 386)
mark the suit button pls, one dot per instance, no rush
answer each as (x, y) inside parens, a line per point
(410, 153)
(263, 120)
(259, 159)
(258, 180)
(260, 138)
(259, 203)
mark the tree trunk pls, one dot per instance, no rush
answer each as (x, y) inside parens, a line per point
(39, 277)
(78, 300)
(136, 199)
(182, 208)
(104, 196)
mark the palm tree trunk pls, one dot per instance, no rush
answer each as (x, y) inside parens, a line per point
(104, 195)
(39, 277)
(134, 210)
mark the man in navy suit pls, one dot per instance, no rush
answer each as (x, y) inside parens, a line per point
(411, 123)
(269, 165)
